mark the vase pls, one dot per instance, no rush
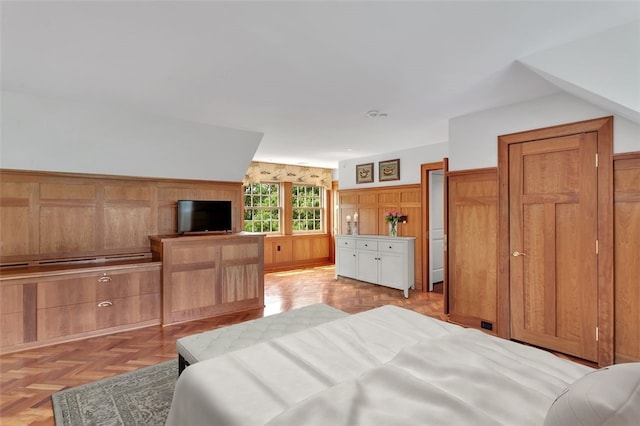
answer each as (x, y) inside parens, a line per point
(393, 229)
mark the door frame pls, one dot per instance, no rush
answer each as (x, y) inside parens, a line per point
(605, 304)
(424, 226)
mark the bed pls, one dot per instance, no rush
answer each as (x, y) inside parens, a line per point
(385, 366)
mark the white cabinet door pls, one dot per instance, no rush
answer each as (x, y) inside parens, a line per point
(368, 266)
(392, 270)
(346, 264)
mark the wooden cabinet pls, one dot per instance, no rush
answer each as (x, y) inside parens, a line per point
(387, 261)
(44, 305)
(209, 275)
(97, 300)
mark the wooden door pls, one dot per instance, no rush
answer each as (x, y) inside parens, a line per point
(553, 231)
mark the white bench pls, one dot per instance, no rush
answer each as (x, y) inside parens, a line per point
(198, 347)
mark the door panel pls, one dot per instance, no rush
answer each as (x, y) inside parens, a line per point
(553, 233)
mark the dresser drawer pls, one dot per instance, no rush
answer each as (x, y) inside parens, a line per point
(390, 246)
(367, 245)
(118, 284)
(127, 310)
(66, 320)
(346, 243)
(65, 292)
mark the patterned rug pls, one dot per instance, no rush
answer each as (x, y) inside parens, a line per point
(140, 397)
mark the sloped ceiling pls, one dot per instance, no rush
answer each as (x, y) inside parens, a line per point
(603, 69)
(304, 74)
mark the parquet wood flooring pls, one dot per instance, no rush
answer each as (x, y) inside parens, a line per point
(28, 378)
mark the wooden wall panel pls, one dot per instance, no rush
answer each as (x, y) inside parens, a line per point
(67, 229)
(319, 248)
(127, 227)
(473, 243)
(47, 215)
(301, 250)
(626, 249)
(16, 236)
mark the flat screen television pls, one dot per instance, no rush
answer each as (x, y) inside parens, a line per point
(204, 216)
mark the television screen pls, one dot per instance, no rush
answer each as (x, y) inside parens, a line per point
(203, 216)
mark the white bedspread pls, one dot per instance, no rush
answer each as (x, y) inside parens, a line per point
(387, 366)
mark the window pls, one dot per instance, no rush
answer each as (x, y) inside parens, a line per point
(307, 202)
(262, 209)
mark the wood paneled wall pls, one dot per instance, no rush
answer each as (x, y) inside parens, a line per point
(295, 251)
(473, 247)
(46, 215)
(473, 243)
(626, 210)
(371, 203)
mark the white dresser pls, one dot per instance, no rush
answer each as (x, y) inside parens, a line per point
(378, 259)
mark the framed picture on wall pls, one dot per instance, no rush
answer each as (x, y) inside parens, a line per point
(364, 173)
(389, 170)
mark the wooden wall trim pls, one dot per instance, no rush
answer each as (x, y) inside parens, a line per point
(29, 174)
(380, 188)
(472, 171)
(626, 156)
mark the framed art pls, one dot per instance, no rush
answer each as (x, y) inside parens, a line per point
(389, 170)
(364, 173)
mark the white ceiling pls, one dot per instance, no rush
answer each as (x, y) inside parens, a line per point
(302, 73)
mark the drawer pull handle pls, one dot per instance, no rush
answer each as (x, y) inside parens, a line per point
(104, 304)
(104, 279)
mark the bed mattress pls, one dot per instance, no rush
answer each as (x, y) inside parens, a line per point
(388, 365)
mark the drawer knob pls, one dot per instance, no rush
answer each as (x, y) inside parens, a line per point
(104, 279)
(104, 304)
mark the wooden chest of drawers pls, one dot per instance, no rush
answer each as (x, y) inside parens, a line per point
(48, 305)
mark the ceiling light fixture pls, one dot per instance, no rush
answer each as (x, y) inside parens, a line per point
(375, 113)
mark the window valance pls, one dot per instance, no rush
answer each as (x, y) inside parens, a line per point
(272, 172)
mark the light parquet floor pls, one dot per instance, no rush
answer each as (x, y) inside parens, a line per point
(29, 378)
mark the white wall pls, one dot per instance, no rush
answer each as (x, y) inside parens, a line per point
(473, 138)
(47, 134)
(410, 162)
(603, 68)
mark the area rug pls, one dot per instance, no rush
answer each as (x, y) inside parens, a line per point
(140, 397)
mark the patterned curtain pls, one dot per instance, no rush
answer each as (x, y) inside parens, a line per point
(271, 172)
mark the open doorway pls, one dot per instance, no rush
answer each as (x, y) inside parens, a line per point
(436, 230)
(432, 184)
